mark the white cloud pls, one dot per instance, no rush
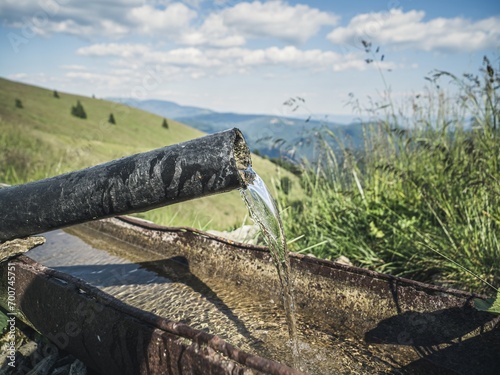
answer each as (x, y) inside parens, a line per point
(112, 18)
(229, 24)
(277, 19)
(73, 67)
(113, 49)
(225, 61)
(290, 56)
(34, 78)
(102, 27)
(232, 26)
(409, 30)
(184, 56)
(114, 80)
(213, 32)
(354, 64)
(150, 20)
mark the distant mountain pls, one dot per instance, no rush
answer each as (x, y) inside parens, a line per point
(162, 107)
(269, 135)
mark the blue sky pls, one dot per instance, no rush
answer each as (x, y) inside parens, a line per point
(243, 56)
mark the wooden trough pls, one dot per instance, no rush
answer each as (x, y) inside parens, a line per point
(364, 322)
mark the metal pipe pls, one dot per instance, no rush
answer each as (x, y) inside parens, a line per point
(208, 165)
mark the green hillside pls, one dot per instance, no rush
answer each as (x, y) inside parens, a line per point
(43, 139)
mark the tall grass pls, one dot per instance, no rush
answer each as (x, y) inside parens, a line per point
(23, 158)
(422, 199)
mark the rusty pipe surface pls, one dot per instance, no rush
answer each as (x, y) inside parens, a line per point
(204, 166)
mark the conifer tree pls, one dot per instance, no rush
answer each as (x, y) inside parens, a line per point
(56, 94)
(78, 110)
(165, 124)
(111, 119)
(19, 103)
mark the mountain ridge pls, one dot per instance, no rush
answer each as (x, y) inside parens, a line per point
(269, 135)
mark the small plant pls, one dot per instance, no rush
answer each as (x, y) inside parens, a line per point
(78, 110)
(19, 103)
(165, 124)
(56, 94)
(111, 119)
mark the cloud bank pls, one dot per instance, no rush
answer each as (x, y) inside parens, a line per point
(410, 30)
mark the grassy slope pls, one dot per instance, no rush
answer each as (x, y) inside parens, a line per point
(43, 139)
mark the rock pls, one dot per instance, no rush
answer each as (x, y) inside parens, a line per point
(249, 234)
(11, 248)
(28, 349)
(343, 260)
(78, 368)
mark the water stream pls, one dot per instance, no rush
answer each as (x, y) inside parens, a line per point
(264, 212)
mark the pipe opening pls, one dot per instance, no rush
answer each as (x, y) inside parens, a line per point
(243, 159)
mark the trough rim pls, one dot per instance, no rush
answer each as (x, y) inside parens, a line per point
(319, 265)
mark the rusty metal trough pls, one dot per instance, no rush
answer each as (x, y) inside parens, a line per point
(380, 323)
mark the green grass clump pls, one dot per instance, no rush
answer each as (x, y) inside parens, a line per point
(422, 199)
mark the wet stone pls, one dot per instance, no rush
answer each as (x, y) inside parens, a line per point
(18, 246)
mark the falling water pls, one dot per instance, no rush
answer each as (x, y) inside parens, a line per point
(265, 213)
